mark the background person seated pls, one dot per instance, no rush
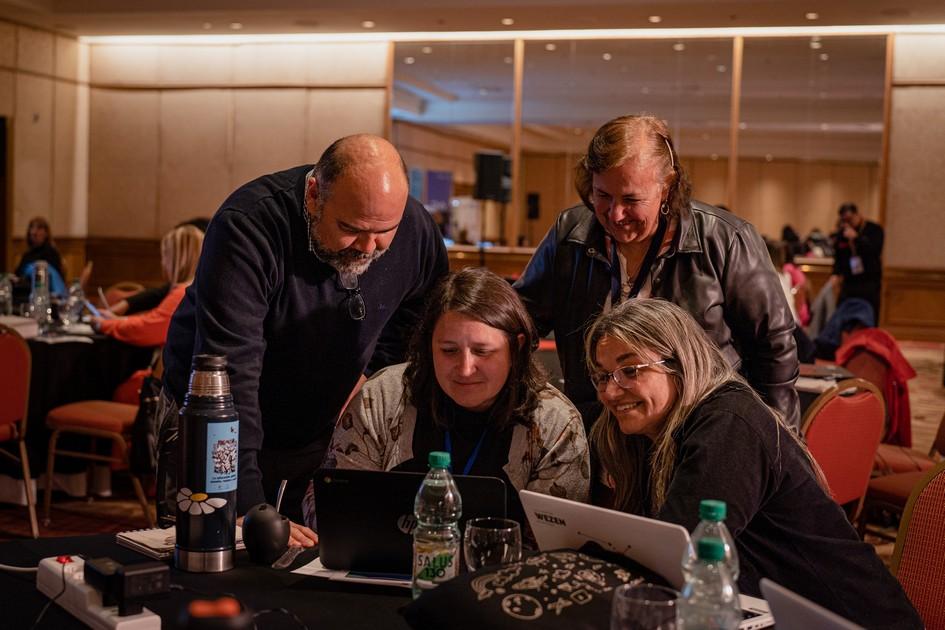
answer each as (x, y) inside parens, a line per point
(41, 247)
(150, 298)
(180, 250)
(679, 425)
(470, 386)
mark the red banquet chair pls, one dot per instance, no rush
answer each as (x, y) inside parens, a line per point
(891, 458)
(919, 558)
(15, 363)
(842, 429)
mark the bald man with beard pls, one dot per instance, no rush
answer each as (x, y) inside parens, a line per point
(310, 280)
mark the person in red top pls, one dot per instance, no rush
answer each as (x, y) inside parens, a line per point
(180, 250)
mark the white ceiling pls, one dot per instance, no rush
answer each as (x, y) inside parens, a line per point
(122, 17)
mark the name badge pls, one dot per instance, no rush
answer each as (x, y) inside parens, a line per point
(856, 265)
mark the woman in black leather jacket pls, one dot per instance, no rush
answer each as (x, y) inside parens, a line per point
(639, 234)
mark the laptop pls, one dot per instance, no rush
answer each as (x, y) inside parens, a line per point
(793, 612)
(659, 546)
(365, 518)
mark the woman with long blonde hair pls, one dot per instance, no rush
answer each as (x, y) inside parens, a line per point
(679, 425)
(180, 251)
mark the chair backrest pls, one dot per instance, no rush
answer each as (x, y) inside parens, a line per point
(919, 558)
(843, 428)
(15, 361)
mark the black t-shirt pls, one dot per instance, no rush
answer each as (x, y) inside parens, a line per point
(786, 527)
(466, 429)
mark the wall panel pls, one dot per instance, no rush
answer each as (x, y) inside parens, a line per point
(63, 182)
(7, 92)
(34, 50)
(196, 66)
(914, 207)
(332, 114)
(778, 192)
(919, 58)
(7, 44)
(270, 64)
(124, 149)
(32, 149)
(332, 64)
(194, 155)
(67, 58)
(268, 132)
(123, 64)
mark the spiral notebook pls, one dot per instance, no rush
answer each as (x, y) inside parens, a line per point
(158, 543)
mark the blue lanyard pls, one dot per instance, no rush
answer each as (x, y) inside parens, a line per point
(472, 456)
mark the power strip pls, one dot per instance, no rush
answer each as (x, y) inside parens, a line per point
(84, 602)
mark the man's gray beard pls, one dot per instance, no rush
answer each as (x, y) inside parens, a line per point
(348, 261)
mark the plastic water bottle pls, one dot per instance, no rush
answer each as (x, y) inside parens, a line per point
(709, 600)
(40, 304)
(436, 540)
(6, 295)
(71, 312)
(712, 525)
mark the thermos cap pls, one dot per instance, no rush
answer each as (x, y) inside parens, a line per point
(208, 377)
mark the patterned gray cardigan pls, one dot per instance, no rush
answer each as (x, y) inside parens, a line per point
(376, 433)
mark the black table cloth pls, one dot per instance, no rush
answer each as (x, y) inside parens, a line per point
(318, 602)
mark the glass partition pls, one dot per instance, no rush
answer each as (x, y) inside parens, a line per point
(570, 88)
(810, 135)
(453, 101)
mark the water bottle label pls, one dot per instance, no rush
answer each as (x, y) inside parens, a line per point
(222, 456)
(434, 565)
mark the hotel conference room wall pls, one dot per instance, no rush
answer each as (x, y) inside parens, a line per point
(41, 95)
(174, 129)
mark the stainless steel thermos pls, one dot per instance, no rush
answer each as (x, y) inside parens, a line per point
(207, 470)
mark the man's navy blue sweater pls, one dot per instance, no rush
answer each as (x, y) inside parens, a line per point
(280, 317)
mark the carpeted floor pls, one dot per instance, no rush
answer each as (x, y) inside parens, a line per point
(72, 517)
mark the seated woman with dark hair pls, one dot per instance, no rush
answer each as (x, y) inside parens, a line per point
(470, 386)
(680, 425)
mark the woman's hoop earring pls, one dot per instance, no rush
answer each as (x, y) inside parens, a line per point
(664, 209)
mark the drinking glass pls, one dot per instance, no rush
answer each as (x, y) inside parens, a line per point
(491, 541)
(643, 607)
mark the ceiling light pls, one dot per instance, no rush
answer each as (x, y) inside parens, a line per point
(577, 131)
(606, 56)
(207, 26)
(644, 90)
(816, 45)
(426, 50)
(822, 95)
(815, 38)
(236, 26)
(550, 47)
(714, 156)
(768, 157)
(720, 68)
(410, 61)
(654, 19)
(824, 127)
(507, 21)
(705, 136)
(812, 15)
(742, 126)
(679, 47)
(824, 56)
(507, 60)
(367, 24)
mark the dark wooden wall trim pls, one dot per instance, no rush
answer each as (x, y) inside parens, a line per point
(114, 259)
(913, 303)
